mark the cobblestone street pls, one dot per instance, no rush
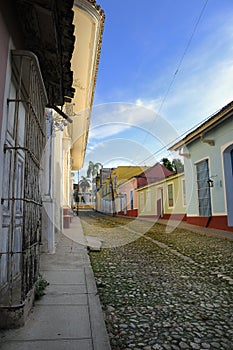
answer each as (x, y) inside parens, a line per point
(162, 290)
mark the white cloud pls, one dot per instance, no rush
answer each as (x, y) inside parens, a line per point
(152, 104)
(112, 120)
(204, 82)
(121, 112)
(115, 163)
(197, 97)
(202, 85)
(102, 131)
(120, 151)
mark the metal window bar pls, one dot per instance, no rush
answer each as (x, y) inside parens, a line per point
(23, 263)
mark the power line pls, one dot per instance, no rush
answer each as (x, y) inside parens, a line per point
(179, 137)
(170, 86)
(180, 63)
(183, 56)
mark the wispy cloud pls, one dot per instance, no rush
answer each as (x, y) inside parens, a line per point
(132, 130)
(113, 119)
(107, 130)
(152, 104)
(204, 82)
(122, 112)
(202, 85)
(121, 151)
(131, 122)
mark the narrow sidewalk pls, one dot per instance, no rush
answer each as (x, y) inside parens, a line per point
(69, 315)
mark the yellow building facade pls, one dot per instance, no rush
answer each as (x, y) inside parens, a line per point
(164, 199)
(70, 143)
(108, 195)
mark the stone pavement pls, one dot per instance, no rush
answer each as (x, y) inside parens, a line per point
(69, 315)
(198, 229)
(165, 292)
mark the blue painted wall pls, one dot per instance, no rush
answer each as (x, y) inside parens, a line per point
(222, 135)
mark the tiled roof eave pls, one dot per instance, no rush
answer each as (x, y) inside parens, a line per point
(48, 32)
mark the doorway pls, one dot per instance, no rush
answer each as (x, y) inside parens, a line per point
(203, 189)
(160, 208)
(228, 171)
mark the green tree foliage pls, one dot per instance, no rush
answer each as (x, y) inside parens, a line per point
(175, 165)
(178, 166)
(93, 169)
(84, 183)
(167, 163)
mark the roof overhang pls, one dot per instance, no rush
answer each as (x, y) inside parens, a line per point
(89, 23)
(213, 121)
(47, 31)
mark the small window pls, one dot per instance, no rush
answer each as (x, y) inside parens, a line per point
(170, 195)
(115, 182)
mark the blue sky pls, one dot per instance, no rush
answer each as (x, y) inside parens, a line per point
(135, 114)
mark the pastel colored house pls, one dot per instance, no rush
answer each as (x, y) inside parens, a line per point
(100, 187)
(208, 162)
(165, 198)
(108, 195)
(70, 147)
(127, 201)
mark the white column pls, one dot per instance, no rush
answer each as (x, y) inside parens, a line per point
(66, 143)
(48, 219)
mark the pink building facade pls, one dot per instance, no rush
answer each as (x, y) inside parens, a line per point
(127, 201)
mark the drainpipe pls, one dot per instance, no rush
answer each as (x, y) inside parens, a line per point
(208, 221)
(210, 184)
(113, 198)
